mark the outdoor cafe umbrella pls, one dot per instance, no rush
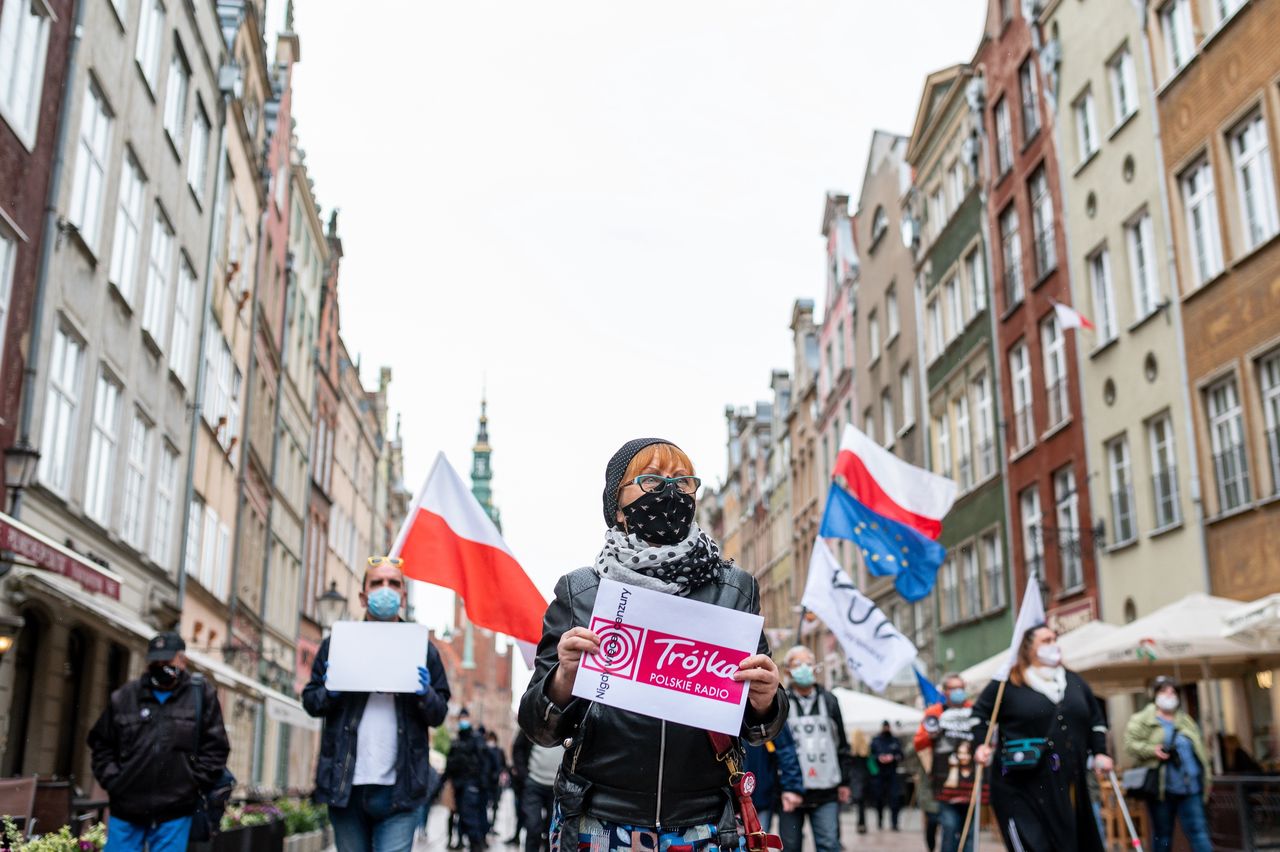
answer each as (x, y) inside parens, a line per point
(865, 712)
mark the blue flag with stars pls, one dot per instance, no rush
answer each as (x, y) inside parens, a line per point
(930, 693)
(889, 548)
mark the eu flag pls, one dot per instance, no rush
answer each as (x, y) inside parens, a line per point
(930, 693)
(889, 548)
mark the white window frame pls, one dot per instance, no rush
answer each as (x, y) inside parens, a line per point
(936, 338)
(1104, 296)
(8, 264)
(1024, 424)
(954, 296)
(1124, 85)
(964, 441)
(184, 314)
(1204, 234)
(869, 424)
(886, 418)
(1179, 41)
(1226, 433)
(1140, 238)
(1032, 529)
(984, 420)
(1269, 383)
(1053, 344)
(177, 92)
(950, 591)
(1124, 516)
(88, 182)
(100, 481)
(1004, 137)
(992, 570)
(150, 38)
(1014, 288)
(1043, 235)
(133, 515)
(1029, 99)
(976, 273)
(892, 317)
(1164, 472)
(24, 45)
(942, 425)
(198, 153)
(1224, 10)
(128, 227)
(166, 497)
(873, 332)
(1086, 116)
(160, 266)
(937, 211)
(971, 577)
(1066, 501)
(1255, 181)
(62, 400)
(906, 389)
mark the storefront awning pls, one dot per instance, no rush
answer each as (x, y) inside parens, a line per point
(67, 593)
(1258, 619)
(280, 707)
(45, 553)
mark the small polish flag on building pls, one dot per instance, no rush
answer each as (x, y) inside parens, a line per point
(1070, 317)
(449, 540)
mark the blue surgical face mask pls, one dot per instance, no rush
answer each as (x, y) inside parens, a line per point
(384, 604)
(464, 725)
(802, 674)
(957, 696)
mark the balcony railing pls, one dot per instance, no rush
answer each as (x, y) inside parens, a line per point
(1123, 528)
(1231, 470)
(1164, 488)
(1023, 427)
(1059, 403)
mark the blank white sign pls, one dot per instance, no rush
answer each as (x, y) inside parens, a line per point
(376, 656)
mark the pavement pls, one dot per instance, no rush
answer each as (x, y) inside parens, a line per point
(911, 836)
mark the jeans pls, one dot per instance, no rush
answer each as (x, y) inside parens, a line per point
(823, 819)
(170, 836)
(951, 817)
(535, 814)
(367, 823)
(1189, 810)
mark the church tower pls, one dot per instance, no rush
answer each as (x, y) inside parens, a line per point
(482, 470)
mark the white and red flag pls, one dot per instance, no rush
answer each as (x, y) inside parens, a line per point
(448, 539)
(891, 487)
(1069, 317)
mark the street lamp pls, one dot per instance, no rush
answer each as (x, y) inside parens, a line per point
(9, 627)
(20, 463)
(330, 606)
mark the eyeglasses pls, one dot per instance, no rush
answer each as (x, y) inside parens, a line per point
(652, 484)
(393, 561)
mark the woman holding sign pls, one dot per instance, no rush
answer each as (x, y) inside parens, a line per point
(629, 780)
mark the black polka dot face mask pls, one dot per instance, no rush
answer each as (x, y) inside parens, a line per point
(660, 517)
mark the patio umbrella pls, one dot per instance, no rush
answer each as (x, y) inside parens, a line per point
(865, 712)
(1257, 620)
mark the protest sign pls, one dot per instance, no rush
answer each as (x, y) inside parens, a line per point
(376, 656)
(668, 657)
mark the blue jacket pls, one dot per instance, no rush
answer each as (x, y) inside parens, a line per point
(415, 715)
(776, 771)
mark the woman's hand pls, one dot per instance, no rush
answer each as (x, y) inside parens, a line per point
(1103, 765)
(761, 673)
(574, 642)
(983, 754)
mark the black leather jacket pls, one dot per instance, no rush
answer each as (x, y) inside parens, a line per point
(622, 766)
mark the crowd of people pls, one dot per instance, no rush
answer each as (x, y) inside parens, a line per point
(586, 776)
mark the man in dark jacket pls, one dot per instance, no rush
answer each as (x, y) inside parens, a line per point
(497, 770)
(374, 771)
(149, 756)
(825, 757)
(886, 751)
(468, 771)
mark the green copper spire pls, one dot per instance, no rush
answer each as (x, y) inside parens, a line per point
(481, 471)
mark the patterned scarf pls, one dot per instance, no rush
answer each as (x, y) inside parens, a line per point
(676, 569)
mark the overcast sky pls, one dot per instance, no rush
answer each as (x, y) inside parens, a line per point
(603, 210)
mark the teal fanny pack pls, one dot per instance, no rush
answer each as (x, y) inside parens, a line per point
(1023, 755)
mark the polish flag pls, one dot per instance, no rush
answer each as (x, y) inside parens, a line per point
(891, 487)
(1070, 317)
(449, 540)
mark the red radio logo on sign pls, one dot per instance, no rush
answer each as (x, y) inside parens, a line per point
(676, 663)
(619, 649)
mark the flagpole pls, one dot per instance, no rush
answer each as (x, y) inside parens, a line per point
(800, 623)
(977, 782)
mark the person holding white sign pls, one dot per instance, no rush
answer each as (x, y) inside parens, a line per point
(374, 771)
(627, 779)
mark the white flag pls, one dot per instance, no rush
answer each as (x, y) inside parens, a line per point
(1030, 614)
(876, 651)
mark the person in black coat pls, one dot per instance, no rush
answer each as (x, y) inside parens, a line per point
(886, 751)
(521, 747)
(1049, 725)
(374, 769)
(468, 770)
(149, 756)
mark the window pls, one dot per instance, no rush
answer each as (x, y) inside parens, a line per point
(198, 158)
(166, 491)
(1004, 138)
(957, 183)
(1054, 344)
(1086, 127)
(1164, 477)
(8, 260)
(1269, 373)
(1123, 528)
(175, 98)
(891, 312)
(58, 443)
(950, 593)
(936, 341)
(1124, 85)
(1029, 92)
(1226, 432)
(1011, 249)
(1020, 377)
(937, 211)
(124, 247)
(1224, 9)
(1104, 297)
(1175, 25)
(1066, 503)
(91, 166)
(869, 424)
(964, 441)
(1042, 223)
(984, 421)
(133, 511)
(839, 347)
(159, 266)
(1142, 266)
(992, 570)
(955, 309)
(1202, 221)
(1255, 182)
(1032, 539)
(150, 32)
(99, 479)
(195, 524)
(879, 224)
(873, 329)
(209, 549)
(184, 312)
(24, 39)
(886, 416)
(976, 273)
(907, 394)
(942, 426)
(972, 581)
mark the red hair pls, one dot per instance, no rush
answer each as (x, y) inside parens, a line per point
(666, 456)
